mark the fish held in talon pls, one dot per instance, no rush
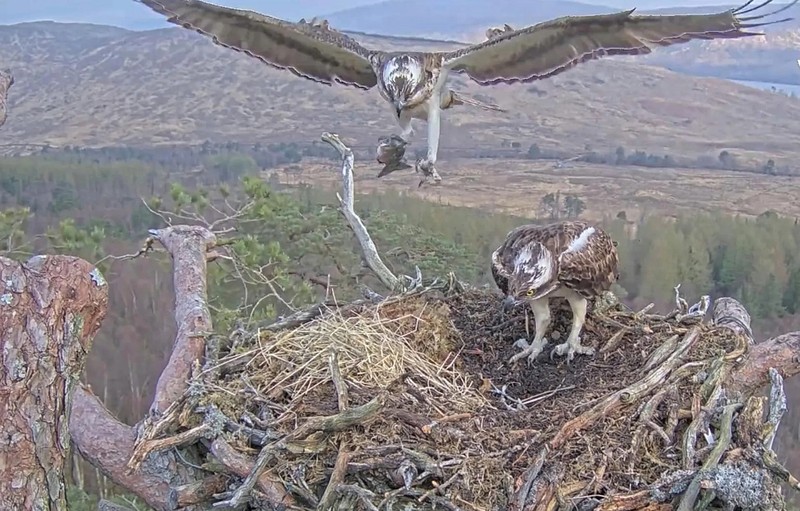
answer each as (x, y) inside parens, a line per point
(391, 154)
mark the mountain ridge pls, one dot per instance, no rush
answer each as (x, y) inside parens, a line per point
(82, 86)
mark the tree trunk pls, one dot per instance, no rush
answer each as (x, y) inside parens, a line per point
(50, 309)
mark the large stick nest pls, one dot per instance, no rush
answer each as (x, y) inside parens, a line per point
(412, 401)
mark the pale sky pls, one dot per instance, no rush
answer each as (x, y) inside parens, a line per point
(129, 14)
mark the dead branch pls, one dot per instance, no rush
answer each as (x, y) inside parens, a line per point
(188, 246)
(368, 248)
(242, 466)
(6, 81)
(50, 309)
(339, 422)
(781, 353)
(729, 313)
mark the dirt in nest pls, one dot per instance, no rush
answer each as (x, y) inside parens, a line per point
(489, 334)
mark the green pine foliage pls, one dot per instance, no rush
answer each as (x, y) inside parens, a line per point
(291, 246)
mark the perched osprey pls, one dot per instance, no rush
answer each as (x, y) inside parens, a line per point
(414, 83)
(6, 81)
(571, 259)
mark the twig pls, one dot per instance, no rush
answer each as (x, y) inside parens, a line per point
(338, 422)
(364, 495)
(242, 466)
(725, 436)
(200, 491)
(370, 251)
(337, 478)
(528, 479)
(185, 438)
(339, 383)
(439, 488)
(628, 394)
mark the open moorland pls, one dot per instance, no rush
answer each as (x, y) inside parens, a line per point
(517, 187)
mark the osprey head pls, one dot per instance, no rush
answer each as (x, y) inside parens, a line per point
(535, 273)
(406, 81)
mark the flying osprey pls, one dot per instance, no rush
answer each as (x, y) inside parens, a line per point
(414, 83)
(6, 81)
(570, 259)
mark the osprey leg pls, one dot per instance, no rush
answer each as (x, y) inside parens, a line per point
(428, 165)
(541, 316)
(573, 345)
(404, 119)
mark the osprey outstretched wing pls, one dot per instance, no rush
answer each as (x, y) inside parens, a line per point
(548, 48)
(307, 50)
(414, 83)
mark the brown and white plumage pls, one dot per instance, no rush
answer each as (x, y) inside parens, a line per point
(6, 81)
(414, 82)
(572, 259)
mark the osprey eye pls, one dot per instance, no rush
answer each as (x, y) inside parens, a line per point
(531, 292)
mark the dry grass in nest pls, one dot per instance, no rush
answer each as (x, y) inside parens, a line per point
(374, 349)
(438, 360)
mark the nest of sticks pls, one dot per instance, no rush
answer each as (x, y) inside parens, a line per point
(410, 403)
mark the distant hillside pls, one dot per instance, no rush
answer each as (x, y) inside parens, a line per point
(89, 85)
(134, 16)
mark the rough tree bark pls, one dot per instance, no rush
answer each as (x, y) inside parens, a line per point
(50, 309)
(162, 479)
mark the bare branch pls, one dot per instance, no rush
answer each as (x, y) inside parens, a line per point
(242, 466)
(368, 247)
(729, 313)
(188, 246)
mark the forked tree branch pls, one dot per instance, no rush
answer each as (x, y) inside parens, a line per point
(189, 247)
(107, 444)
(368, 248)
